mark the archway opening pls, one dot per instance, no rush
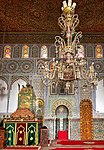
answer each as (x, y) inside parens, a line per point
(61, 119)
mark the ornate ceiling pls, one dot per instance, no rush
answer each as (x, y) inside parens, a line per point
(42, 15)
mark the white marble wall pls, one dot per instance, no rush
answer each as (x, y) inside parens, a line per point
(11, 100)
(100, 97)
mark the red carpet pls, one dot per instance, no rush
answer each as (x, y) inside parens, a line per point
(62, 135)
(65, 145)
(76, 145)
(78, 149)
(21, 147)
(72, 142)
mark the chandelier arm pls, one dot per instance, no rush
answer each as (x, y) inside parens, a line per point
(59, 42)
(76, 39)
(78, 36)
(61, 23)
(75, 21)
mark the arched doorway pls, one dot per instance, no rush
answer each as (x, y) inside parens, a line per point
(62, 114)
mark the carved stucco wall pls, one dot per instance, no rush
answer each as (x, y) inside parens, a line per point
(14, 69)
(68, 101)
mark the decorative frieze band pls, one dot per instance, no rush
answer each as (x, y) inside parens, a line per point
(24, 37)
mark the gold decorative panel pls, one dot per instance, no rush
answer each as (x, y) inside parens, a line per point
(26, 98)
(86, 120)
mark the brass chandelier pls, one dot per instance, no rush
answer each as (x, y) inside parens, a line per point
(69, 64)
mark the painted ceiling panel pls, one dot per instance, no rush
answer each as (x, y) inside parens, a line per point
(42, 16)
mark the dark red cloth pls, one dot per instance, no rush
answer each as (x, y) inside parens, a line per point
(21, 133)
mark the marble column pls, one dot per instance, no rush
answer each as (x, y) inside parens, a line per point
(54, 126)
(68, 127)
(61, 123)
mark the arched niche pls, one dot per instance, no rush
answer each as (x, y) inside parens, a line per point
(3, 96)
(52, 51)
(89, 51)
(61, 102)
(99, 51)
(15, 88)
(35, 51)
(25, 51)
(39, 108)
(16, 51)
(44, 51)
(61, 111)
(62, 114)
(7, 51)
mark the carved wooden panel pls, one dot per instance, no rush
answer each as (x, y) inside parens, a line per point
(44, 137)
(2, 137)
(86, 120)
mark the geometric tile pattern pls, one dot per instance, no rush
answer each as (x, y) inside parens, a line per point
(75, 129)
(98, 128)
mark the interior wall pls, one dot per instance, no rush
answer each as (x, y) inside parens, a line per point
(100, 97)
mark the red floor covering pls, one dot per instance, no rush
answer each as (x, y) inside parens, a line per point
(77, 149)
(77, 145)
(21, 147)
(72, 142)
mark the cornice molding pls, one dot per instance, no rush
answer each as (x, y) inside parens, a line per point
(44, 37)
